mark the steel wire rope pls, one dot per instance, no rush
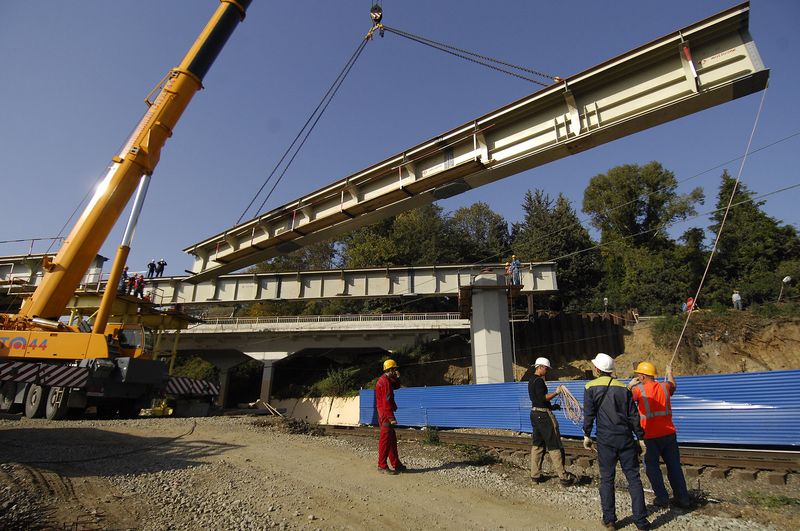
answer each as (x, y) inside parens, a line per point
(363, 44)
(318, 111)
(464, 54)
(721, 227)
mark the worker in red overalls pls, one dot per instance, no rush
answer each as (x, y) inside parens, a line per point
(660, 436)
(384, 400)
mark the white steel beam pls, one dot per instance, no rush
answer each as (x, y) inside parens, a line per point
(708, 63)
(345, 283)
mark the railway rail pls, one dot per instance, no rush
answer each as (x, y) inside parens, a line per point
(724, 460)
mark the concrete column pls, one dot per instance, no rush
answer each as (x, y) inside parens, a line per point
(266, 380)
(491, 337)
(224, 382)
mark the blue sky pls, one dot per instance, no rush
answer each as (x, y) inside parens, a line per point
(75, 74)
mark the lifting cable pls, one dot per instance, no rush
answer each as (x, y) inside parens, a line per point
(376, 15)
(313, 119)
(476, 58)
(719, 231)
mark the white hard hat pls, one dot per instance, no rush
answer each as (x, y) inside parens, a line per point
(603, 362)
(542, 361)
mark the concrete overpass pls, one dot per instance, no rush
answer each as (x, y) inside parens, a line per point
(228, 342)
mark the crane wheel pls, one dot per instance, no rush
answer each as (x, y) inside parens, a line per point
(35, 401)
(8, 391)
(57, 400)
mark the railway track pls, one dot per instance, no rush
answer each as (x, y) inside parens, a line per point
(723, 460)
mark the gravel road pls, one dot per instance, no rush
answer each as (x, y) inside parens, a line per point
(232, 473)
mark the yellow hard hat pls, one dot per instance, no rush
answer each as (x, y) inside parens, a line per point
(389, 364)
(647, 368)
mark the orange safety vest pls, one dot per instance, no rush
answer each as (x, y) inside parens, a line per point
(655, 409)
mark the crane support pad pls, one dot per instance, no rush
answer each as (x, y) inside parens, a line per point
(642, 88)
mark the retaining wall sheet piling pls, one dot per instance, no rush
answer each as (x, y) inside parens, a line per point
(756, 408)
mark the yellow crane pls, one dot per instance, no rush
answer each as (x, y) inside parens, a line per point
(51, 367)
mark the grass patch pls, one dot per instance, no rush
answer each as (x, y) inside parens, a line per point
(772, 501)
(431, 436)
(476, 455)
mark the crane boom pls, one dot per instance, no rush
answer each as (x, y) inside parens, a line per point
(139, 157)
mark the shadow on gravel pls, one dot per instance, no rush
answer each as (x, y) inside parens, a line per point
(77, 452)
(445, 466)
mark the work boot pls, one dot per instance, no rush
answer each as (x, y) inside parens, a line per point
(644, 526)
(683, 504)
(610, 525)
(539, 479)
(387, 471)
(401, 468)
(661, 503)
(567, 481)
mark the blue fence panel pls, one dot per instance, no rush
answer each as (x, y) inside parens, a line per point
(743, 408)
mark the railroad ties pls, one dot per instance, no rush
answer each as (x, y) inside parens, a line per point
(713, 463)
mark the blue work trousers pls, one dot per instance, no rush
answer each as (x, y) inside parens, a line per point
(665, 448)
(628, 459)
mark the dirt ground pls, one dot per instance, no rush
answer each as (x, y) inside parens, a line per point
(244, 473)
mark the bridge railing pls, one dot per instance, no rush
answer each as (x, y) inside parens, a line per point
(276, 319)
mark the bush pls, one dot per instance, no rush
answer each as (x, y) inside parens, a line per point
(667, 330)
(195, 367)
(338, 382)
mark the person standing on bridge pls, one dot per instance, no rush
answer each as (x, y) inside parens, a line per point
(608, 402)
(160, 267)
(123, 281)
(384, 400)
(138, 286)
(516, 265)
(546, 435)
(151, 268)
(660, 436)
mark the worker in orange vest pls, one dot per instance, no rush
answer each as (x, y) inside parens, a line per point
(660, 436)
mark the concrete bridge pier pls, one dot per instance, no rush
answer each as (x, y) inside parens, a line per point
(491, 336)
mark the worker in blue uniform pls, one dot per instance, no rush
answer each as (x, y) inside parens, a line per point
(608, 403)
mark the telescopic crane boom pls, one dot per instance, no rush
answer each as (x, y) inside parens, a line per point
(139, 157)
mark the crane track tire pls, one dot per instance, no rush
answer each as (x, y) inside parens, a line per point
(36, 401)
(8, 391)
(57, 402)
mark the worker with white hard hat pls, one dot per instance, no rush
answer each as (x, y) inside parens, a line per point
(608, 403)
(546, 437)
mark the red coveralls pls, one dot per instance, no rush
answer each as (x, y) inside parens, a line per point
(384, 399)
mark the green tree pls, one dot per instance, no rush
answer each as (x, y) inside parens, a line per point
(551, 230)
(481, 233)
(637, 202)
(753, 251)
(422, 236)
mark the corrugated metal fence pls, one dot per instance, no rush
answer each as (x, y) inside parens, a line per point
(761, 408)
